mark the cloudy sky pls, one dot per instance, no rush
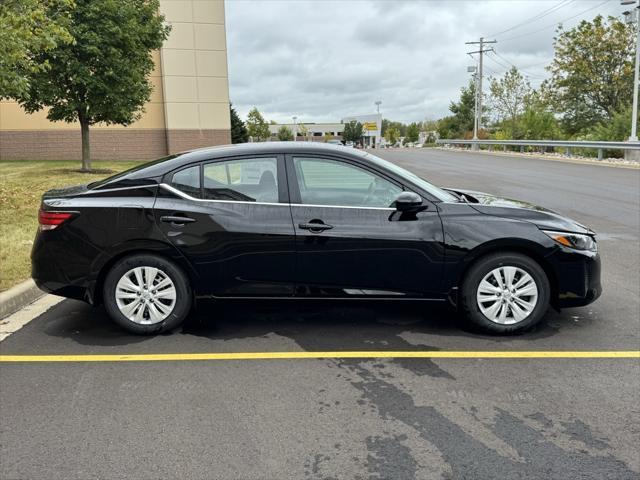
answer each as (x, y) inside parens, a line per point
(322, 60)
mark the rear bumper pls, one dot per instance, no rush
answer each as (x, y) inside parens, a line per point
(50, 276)
(578, 278)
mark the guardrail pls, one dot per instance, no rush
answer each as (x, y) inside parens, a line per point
(567, 144)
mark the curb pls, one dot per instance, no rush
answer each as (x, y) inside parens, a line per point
(18, 297)
(564, 159)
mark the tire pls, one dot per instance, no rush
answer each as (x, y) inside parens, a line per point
(510, 313)
(157, 310)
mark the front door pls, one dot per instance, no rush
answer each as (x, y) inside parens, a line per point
(231, 219)
(350, 240)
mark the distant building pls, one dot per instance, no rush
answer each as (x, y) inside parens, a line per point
(372, 127)
(189, 107)
(316, 132)
(321, 132)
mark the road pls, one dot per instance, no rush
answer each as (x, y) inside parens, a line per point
(393, 418)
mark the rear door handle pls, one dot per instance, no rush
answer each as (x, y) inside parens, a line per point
(315, 227)
(176, 219)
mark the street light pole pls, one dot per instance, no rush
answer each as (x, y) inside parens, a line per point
(634, 17)
(379, 132)
(634, 118)
(295, 129)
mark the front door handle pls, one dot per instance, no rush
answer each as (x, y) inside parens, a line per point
(176, 219)
(315, 227)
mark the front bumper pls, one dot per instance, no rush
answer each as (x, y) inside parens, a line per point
(577, 278)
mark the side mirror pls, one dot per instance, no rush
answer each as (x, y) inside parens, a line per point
(408, 201)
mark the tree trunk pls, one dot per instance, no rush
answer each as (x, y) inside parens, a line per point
(86, 145)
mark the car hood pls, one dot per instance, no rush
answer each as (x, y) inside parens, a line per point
(518, 209)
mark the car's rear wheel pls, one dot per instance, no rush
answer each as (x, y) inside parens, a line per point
(505, 293)
(147, 294)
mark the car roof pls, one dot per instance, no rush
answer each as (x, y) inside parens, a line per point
(267, 147)
(162, 166)
(153, 171)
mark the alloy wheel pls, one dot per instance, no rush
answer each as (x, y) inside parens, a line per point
(507, 295)
(145, 295)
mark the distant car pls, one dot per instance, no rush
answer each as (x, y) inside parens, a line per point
(298, 220)
(334, 141)
(349, 144)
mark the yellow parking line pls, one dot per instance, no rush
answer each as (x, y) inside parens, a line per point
(159, 357)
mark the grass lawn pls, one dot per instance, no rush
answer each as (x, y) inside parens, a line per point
(22, 183)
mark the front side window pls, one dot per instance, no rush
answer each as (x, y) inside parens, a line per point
(247, 180)
(331, 182)
(187, 181)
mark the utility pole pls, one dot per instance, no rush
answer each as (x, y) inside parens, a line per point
(478, 102)
(295, 129)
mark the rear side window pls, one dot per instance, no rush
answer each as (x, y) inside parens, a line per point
(246, 180)
(188, 181)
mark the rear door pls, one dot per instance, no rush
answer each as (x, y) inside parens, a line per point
(351, 241)
(231, 219)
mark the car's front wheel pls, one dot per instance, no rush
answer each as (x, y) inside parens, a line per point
(505, 293)
(147, 294)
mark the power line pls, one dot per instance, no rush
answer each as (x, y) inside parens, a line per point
(540, 15)
(513, 65)
(487, 67)
(554, 24)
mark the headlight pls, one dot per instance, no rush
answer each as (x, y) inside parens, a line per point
(576, 241)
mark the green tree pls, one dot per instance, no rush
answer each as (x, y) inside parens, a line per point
(592, 72)
(303, 131)
(29, 28)
(103, 75)
(461, 122)
(392, 135)
(618, 128)
(539, 124)
(509, 98)
(285, 134)
(430, 125)
(386, 124)
(257, 127)
(352, 131)
(238, 129)
(413, 133)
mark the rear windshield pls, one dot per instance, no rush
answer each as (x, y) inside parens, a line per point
(112, 178)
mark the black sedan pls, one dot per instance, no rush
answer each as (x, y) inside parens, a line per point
(304, 221)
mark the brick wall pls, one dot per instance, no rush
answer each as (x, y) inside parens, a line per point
(181, 140)
(106, 144)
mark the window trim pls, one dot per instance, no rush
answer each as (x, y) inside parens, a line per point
(294, 188)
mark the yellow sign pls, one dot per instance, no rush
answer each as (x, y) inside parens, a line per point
(370, 126)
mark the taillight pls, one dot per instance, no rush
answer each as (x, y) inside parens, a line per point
(50, 220)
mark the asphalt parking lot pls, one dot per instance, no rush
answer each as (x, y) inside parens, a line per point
(343, 418)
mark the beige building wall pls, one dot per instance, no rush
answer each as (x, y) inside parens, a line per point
(189, 106)
(194, 74)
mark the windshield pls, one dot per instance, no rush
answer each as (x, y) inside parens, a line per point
(437, 192)
(110, 179)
